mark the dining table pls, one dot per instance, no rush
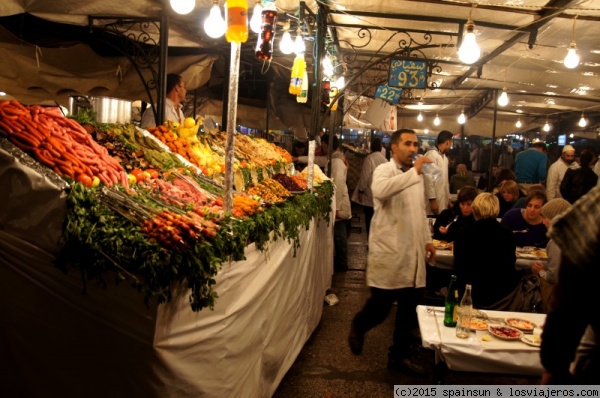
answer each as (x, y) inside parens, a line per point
(482, 352)
(444, 256)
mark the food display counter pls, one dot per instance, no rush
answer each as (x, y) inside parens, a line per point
(64, 333)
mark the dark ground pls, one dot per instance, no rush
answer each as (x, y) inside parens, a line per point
(326, 368)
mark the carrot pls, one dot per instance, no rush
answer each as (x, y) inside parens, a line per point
(42, 158)
(4, 103)
(6, 127)
(28, 139)
(20, 144)
(18, 105)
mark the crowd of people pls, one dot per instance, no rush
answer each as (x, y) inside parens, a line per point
(515, 203)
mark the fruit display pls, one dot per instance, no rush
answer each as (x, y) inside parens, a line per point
(136, 208)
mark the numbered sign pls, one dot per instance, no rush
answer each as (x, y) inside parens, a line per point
(407, 73)
(389, 94)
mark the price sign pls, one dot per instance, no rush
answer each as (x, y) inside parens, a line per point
(406, 73)
(389, 94)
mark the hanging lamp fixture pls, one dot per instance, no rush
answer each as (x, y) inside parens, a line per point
(582, 121)
(571, 60)
(469, 51)
(215, 25)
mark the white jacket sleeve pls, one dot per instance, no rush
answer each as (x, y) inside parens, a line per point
(552, 182)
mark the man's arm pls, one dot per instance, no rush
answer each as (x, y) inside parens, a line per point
(552, 182)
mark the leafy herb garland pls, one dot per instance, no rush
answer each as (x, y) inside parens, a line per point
(99, 242)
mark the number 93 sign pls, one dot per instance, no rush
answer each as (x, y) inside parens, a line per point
(408, 73)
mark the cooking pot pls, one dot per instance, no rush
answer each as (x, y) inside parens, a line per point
(107, 109)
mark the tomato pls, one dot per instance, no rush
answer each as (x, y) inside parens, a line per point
(153, 173)
(139, 175)
(85, 179)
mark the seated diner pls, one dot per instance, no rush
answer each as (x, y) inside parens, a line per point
(484, 255)
(527, 225)
(452, 220)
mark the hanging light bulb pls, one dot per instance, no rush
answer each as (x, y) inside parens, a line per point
(256, 20)
(327, 65)
(582, 121)
(503, 98)
(286, 45)
(183, 6)
(420, 117)
(437, 120)
(469, 51)
(546, 126)
(426, 131)
(518, 124)
(215, 25)
(340, 83)
(462, 118)
(299, 47)
(572, 59)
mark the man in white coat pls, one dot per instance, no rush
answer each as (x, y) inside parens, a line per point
(557, 171)
(399, 246)
(437, 192)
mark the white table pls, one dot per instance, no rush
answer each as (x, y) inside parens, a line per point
(473, 354)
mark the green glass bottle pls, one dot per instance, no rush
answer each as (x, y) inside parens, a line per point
(451, 304)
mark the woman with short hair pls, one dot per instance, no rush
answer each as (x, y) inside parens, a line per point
(484, 255)
(507, 196)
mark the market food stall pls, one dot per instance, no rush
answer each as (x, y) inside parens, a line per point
(128, 315)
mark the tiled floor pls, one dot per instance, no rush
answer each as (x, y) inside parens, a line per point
(327, 368)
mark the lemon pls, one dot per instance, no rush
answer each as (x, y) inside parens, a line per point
(189, 122)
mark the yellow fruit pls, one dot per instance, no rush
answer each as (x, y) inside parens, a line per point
(189, 122)
(217, 168)
(95, 181)
(131, 179)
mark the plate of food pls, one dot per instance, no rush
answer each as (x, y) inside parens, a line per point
(442, 245)
(505, 332)
(478, 324)
(521, 324)
(531, 253)
(532, 340)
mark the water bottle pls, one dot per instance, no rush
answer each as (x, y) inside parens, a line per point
(264, 45)
(463, 324)
(451, 304)
(431, 170)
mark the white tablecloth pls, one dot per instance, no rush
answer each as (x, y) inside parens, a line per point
(57, 342)
(475, 355)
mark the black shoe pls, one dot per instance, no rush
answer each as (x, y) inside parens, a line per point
(355, 341)
(406, 365)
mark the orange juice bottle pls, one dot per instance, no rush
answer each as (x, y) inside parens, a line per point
(297, 74)
(237, 21)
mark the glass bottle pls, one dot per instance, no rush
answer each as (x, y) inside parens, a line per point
(463, 324)
(237, 21)
(264, 45)
(451, 304)
(297, 73)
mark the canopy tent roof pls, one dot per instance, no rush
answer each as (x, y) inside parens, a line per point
(522, 48)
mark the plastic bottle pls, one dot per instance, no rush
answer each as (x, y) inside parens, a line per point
(297, 73)
(431, 170)
(264, 45)
(451, 304)
(463, 324)
(237, 21)
(302, 98)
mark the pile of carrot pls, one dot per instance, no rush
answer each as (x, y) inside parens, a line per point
(59, 143)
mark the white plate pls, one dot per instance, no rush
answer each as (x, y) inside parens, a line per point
(522, 324)
(529, 341)
(494, 331)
